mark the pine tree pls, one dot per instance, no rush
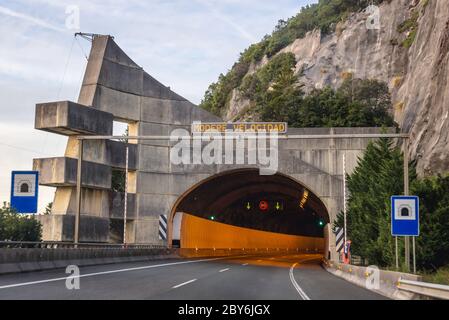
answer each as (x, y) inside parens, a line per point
(432, 246)
(378, 176)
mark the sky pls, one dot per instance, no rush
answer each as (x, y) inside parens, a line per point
(184, 44)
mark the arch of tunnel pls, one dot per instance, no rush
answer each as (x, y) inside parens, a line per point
(188, 197)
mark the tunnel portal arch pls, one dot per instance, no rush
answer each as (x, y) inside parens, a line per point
(232, 198)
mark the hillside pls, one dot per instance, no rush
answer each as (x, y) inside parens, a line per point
(328, 47)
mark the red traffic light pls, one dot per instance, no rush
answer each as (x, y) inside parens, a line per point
(263, 205)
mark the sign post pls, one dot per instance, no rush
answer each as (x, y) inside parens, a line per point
(406, 193)
(24, 191)
(405, 219)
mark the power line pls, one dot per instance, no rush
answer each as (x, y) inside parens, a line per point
(65, 69)
(81, 47)
(23, 149)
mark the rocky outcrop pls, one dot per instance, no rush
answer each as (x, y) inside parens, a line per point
(413, 62)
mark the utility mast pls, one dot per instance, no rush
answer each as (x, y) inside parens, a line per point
(89, 36)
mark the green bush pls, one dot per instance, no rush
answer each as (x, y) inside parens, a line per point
(357, 103)
(411, 26)
(441, 276)
(17, 227)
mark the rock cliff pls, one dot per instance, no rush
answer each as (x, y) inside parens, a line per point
(408, 50)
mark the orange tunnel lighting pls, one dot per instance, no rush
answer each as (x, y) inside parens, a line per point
(202, 233)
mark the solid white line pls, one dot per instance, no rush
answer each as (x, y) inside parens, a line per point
(301, 292)
(109, 272)
(184, 283)
(223, 270)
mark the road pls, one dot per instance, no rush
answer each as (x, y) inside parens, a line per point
(292, 277)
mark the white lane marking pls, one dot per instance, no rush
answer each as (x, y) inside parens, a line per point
(109, 272)
(245, 264)
(223, 270)
(184, 283)
(301, 292)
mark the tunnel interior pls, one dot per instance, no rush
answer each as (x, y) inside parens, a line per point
(246, 199)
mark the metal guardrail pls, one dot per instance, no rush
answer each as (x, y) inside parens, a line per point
(71, 245)
(426, 289)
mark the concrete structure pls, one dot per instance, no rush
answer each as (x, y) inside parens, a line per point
(116, 88)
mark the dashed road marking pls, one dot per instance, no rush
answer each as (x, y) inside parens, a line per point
(184, 283)
(108, 272)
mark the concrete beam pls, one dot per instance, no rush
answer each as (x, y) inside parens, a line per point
(62, 171)
(108, 152)
(60, 228)
(69, 118)
(117, 201)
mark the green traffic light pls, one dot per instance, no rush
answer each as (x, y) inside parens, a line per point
(321, 223)
(212, 218)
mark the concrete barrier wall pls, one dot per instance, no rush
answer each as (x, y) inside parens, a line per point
(388, 280)
(14, 260)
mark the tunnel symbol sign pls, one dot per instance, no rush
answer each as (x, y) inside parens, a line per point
(404, 216)
(24, 191)
(405, 211)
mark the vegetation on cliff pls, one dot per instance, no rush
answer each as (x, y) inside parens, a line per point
(324, 15)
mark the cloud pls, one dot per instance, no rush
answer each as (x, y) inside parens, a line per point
(236, 26)
(30, 19)
(184, 44)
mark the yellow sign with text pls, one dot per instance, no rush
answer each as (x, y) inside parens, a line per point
(250, 127)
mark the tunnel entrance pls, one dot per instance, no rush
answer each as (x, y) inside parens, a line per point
(243, 208)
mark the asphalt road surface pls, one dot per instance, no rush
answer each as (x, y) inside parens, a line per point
(292, 277)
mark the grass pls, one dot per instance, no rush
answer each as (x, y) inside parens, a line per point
(441, 276)
(411, 26)
(408, 42)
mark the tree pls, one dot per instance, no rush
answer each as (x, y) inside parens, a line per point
(378, 176)
(17, 227)
(432, 246)
(47, 209)
(357, 103)
(323, 15)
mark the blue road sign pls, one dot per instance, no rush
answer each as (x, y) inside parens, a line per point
(24, 191)
(405, 216)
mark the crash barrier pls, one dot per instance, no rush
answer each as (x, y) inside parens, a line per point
(392, 284)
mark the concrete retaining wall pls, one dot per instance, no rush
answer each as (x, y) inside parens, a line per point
(388, 280)
(13, 260)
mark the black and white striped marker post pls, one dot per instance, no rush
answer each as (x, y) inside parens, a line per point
(163, 227)
(339, 239)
